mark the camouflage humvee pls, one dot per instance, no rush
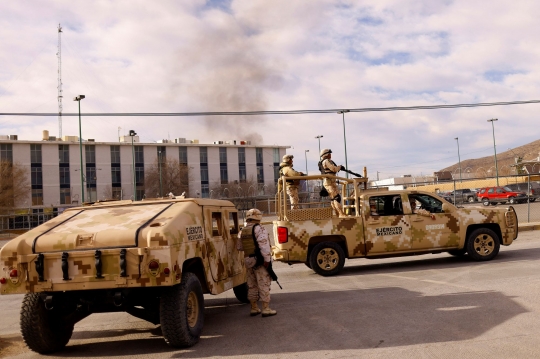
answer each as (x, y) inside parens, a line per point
(380, 223)
(153, 259)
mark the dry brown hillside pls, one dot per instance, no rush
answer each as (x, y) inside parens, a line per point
(480, 167)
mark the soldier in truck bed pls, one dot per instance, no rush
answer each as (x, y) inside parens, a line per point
(328, 167)
(285, 169)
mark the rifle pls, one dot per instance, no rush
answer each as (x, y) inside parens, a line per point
(350, 172)
(273, 274)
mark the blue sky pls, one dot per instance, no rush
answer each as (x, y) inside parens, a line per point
(195, 55)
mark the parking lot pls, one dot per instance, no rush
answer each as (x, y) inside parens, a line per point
(432, 306)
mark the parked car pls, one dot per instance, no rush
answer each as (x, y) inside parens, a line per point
(462, 196)
(499, 194)
(532, 190)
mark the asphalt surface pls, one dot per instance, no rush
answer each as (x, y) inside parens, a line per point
(430, 306)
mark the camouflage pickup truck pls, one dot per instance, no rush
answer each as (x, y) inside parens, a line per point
(153, 259)
(381, 223)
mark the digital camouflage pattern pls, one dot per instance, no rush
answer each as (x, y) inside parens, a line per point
(369, 235)
(169, 232)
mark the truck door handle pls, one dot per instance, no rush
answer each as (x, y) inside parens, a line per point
(418, 220)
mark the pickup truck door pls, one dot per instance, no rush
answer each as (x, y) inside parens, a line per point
(387, 229)
(431, 233)
(235, 257)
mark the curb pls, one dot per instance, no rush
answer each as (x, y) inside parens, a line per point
(529, 227)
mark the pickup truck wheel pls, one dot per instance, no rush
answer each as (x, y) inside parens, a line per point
(485, 202)
(241, 292)
(44, 331)
(182, 312)
(327, 258)
(458, 252)
(470, 199)
(532, 199)
(511, 200)
(483, 244)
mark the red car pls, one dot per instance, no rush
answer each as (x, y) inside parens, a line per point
(494, 195)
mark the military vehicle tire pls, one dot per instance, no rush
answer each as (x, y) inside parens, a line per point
(44, 331)
(241, 293)
(182, 312)
(458, 252)
(327, 258)
(483, 244)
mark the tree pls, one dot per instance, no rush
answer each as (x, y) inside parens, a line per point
(14, 186)
(174, 177)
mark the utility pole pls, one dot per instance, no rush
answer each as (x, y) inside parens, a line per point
(59, 54)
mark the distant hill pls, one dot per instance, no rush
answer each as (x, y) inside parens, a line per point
(480, 167)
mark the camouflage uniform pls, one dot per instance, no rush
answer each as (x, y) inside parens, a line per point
(285, 169)
(258, 279)
(330, 184)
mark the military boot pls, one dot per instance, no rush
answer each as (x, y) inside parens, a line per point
(255, 310)
(338, 209)
(266, 311)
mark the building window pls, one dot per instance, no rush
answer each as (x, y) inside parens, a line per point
(204, 174)
(65, 196)
(116, 176)
(260, 174)
(115, 154)
(222, 155)
(64, 176)
(259, 156)
(90, 153)
(92, 194)
(35, 153)
(162, 154)
(203, 155)
(242, 155)
(182, 153)
(223, 174)
(36, 177)
(139, 177)
(37, 197)
(205, 192)
(6, 152)
(116, 193)
(242, 173)
(276, 156)
(91, 177)
(63, 154)
(139, 155)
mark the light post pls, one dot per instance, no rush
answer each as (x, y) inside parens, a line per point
(78, 99)
(305, 154)
(495, 148)
(345, 139)
(459, 158)
(160, 181)
(132, 134)
(319, 138)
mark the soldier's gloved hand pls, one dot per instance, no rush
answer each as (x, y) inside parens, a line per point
(266, 264)
(342, 168)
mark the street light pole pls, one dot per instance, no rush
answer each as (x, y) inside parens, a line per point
(78, 99)
(305, 154)
(132, 134)
(319, 138)
(345, 139)
(495, 148)
(459, 158)
(160, 182)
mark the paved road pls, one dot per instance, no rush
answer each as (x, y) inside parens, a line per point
(432, 306)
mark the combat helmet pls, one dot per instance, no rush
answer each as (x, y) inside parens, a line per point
(287, 158)
(254, 214)
(325, 152)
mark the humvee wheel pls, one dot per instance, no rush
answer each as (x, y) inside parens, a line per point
(327, 258)
(182, 312)
(483, 244)
(44, 331)
(241, 292)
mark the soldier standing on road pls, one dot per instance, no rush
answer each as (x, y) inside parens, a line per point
(328, 167)
(254, 241)
(285, 169)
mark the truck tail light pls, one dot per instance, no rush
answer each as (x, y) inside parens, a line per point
(3, 280)
(283, 234)
(13, 273)
(153, 265)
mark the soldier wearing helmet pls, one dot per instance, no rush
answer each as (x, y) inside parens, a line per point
(328, 167)
(285, 169)
(253, 239)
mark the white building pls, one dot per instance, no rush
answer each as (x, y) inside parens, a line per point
(54, 166)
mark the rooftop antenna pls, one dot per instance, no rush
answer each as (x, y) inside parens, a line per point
(59, 54)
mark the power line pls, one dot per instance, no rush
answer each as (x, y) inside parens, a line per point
(286, 112)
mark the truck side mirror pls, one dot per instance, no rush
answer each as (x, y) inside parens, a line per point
(445, 207)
